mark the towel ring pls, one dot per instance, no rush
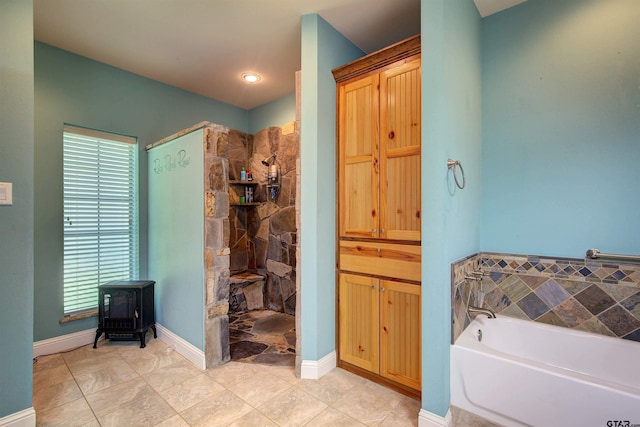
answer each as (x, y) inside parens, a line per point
(452, 164)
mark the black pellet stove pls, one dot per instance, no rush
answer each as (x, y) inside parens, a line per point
(126, 310)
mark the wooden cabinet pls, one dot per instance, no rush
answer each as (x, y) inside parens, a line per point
(379, 215)
(380, 327)
(379, 137)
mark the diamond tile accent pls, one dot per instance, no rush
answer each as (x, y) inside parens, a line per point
(619, 320)
(633, 336)
(551, 318)
(533, 306)
(572, 313)
(551, 293)
(515, 288)
(595, 299)
(632, 304)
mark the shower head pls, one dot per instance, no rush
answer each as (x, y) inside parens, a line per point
(266, 161)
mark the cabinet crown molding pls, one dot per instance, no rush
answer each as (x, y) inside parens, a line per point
(375, 60)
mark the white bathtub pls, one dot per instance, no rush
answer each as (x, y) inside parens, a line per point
(531, 374)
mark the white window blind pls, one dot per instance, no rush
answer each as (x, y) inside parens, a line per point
(100, 213)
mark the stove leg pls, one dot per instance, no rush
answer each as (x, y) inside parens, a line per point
(98, 333)
(142, 334)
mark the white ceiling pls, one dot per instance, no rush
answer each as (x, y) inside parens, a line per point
(203, 46)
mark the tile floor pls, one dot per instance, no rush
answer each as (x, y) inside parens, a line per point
(263, 336)
(119, 384)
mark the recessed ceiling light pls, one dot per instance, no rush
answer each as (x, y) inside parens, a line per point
(250, 77)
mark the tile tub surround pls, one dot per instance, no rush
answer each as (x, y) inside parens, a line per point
(602, 297)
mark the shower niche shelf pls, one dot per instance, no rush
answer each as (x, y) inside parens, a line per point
(239, 183)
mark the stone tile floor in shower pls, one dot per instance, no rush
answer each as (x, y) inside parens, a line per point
(263, 336)
(120, 384)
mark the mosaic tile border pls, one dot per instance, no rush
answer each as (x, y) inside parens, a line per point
(564, 268)
(588, 295)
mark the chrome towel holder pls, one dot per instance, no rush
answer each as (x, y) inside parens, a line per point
(454, 164)
(595, 254)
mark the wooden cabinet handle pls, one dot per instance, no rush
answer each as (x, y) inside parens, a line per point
(392, 135)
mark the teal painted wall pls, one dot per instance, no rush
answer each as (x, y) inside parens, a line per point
(16, 221)
(76, 90)
(323, 48)
(561, 128)
(176, 235)
(275, 113)
(451, 128)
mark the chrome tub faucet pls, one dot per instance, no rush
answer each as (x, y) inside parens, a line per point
(477, 310)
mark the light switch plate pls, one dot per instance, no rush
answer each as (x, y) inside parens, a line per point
(6, 193)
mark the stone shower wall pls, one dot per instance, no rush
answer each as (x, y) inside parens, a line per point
(216, 245)
(602, 297)
(263, 238)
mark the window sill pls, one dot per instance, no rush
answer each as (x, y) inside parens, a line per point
(78, 315)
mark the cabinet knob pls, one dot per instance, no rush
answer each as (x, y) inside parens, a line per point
(373, 286)
(373, 231)
(378, 250)
(382, 230)
(382, 289)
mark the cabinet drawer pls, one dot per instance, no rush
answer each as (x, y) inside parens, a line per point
(381, 259)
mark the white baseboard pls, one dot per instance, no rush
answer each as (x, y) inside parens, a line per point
(78, 339)
(64, 342)
(190, 352)
(429, 419)
(24, 418)
(313, 370)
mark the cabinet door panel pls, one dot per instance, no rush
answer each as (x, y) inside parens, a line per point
(359, 334)
(400, 152)
(400, 333)
(400, 208)
(358, 158)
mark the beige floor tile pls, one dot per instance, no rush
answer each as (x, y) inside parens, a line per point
(111, 398)
(146, 360)
(175, 421)
(331, 386)
(294, 407)
(333, 418)
(259, 388)
(188, 393)
(56, 395)
(149, 410)
(170, 375)
(462, 418)
(116, 372)
(45, 377)
(286, 373)
(74, 413)
(218, 410)
(368, 403)
(86, 363)
(47, 362)
(233, 373)
(253, 419)
(125, 386)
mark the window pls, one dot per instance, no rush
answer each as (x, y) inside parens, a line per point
(100, 213)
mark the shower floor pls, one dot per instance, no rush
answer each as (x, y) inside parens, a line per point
(263, 336)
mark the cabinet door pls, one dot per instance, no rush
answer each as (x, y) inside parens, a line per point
(400, 333)
(359, 334)
(400, 136)
(358, 158)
